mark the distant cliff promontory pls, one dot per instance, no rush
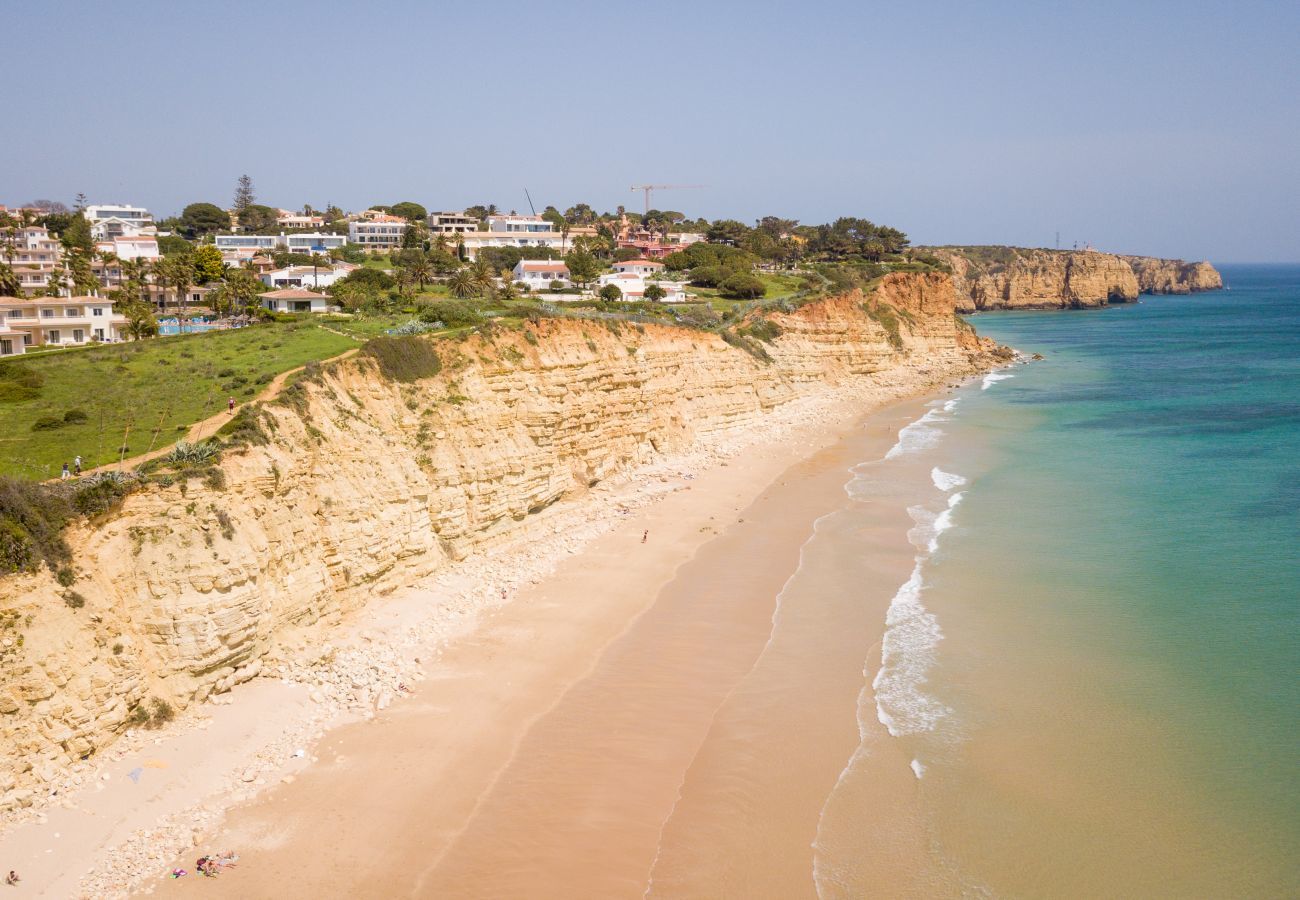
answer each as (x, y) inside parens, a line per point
(1019, 278)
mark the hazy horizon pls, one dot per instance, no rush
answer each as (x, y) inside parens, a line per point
(1168, 130)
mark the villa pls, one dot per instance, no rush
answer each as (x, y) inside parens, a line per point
(378, 234)
(296, 300)
(633, 286)
(33, 255)
(57, 321)
(136, 247)
(109, 221)
(538, 274)
(287, 218)
(451, 223)
(307, 276)
(314, 242)
(642, 268)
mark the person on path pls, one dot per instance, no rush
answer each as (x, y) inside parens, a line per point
(645, 536)
(12, 878)
(231, 405)
(66, 474)
(76, 464)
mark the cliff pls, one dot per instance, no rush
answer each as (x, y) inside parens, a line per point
(360, 483)
(1173, 276)
(1017, 278)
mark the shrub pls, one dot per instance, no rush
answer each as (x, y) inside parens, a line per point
(455, 313)
(215, 479)
(102, 493)
(226, 373)
(73, 599)
(245, 429)
(75, 416)
(764, 330)
(187, 454)
(404, 358)
(32, 517)
(887, 318)
(118, 648)
(65, 576)
(47, 423)
(742, 286)
(19, 383)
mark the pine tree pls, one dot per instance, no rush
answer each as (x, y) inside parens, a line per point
(244, 196)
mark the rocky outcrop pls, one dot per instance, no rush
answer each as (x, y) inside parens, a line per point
(365, 484)
(989, 278)
(1173, 276)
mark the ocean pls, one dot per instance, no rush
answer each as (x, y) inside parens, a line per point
(1092, 669)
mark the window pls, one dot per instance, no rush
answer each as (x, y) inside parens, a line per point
(6, 348)
(72, 312)
(53, 337)
(97, 311)
(78, 335)
(47, 314)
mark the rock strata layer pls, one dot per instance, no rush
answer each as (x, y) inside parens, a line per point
(989, 278)
(366, 484)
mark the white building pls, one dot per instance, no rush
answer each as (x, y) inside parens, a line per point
(538, 274)
(137, 247)
(307, 276)
(642, 268)
(294, 243)
(516, 223)
(108, 221)
(295, 300)
(287, 218)
(57, 321)
(33, 254)
(451, 223)
(378, 234)
(633, 286)
(476, 240)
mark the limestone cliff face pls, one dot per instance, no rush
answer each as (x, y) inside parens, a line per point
(367, 484)
(1017, 278)
(1173, 276)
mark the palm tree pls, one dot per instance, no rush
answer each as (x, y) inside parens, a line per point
(462, 284)
(177, 272)
(481, 272)
(405, 280)
(419, 269)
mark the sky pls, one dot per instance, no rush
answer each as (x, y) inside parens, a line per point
(1168, 129)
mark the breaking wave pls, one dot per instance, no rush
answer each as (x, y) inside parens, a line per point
(993, 378)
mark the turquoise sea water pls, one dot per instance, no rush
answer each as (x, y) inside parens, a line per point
(1115, 690)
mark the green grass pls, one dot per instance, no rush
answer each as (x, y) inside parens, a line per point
(158, 387)
(779, 285)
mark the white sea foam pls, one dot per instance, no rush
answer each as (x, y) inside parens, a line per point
(993, 378)
(907, 651)
(918, 768)
(945, 481)
(919, 435)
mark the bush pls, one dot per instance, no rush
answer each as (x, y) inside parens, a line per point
(454, 313)
(19, 383)
(709, 276)
(226, 373)
(887, 318)
(187, 454)
(244, 429)
(610, 293)
(73, 599)
(75, 416)
(764, 330)
(32, 517)
(101, 493)
(47, 423)
(742, 286)
(65, 576)
(404, 358)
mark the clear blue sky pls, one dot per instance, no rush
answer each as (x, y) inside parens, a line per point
(1162, 128)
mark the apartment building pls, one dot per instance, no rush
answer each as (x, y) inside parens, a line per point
(289, 219)
(109, 221)
(378, 234)
(294, 243)
(33, 254)
(515, 224)
(451, 223)
(57, 321)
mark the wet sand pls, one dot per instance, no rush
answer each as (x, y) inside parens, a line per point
(640, 692)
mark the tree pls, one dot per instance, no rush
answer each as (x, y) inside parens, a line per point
(410, 211)
(76, 234)
(256, 217)
(417, 265)
(174, 245)
(238, 292)
(48, 206)
(244, 197)
(726, 231)
(611, 294)
(9, 284)
(654, 293)
(207, 262)
(177, 273)
(742, 286)
(552, 215)
(201, 219)
(83, 274)
(484, 280)
(583, 267)
(461, 283)
(140, 320)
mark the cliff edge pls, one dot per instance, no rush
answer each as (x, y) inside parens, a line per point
(1018, 278)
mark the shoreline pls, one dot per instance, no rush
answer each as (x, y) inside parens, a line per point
(394, 643)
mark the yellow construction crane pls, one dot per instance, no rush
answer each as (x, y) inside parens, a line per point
(661, 187)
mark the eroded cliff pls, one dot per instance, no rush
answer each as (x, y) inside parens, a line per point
(1018, 278)
(360, 484)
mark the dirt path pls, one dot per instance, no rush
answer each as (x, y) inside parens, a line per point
(207, 427)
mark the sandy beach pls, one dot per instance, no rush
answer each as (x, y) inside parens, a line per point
(565, 723)
(550, 746)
